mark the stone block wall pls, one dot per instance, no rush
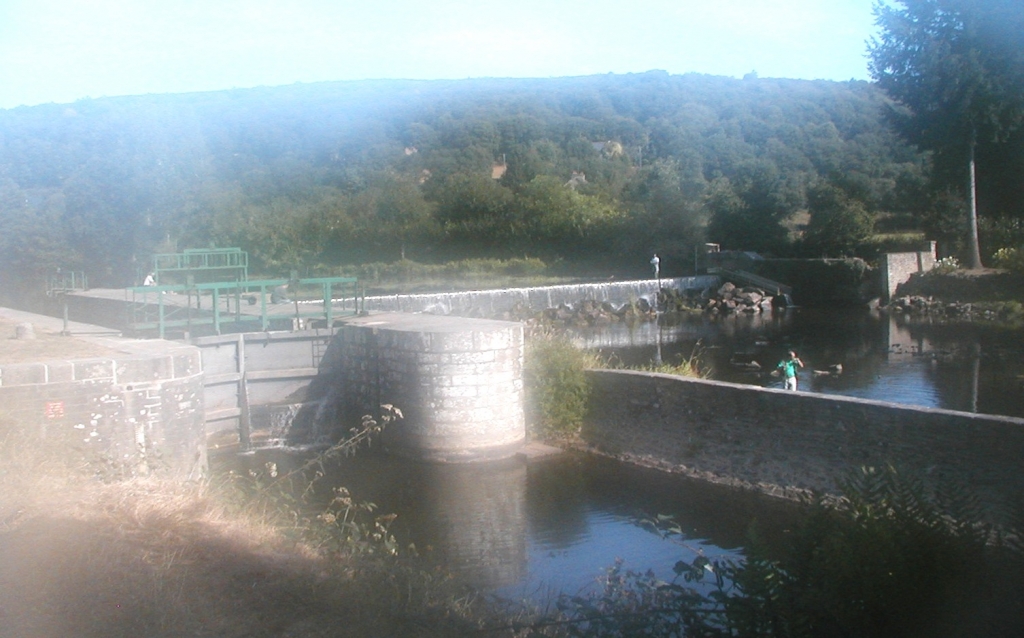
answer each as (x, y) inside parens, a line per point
(784, 442)
(898, 267)
(140, 412)
(457, 381)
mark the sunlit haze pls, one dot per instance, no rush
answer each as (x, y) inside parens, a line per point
(65, 50)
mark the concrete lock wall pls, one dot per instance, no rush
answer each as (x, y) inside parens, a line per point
(457, 381)
(782, 442)
(139, 412)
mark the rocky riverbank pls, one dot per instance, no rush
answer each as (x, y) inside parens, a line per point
(937, 309)
(727, 299)
(965, 286)
(964, 295)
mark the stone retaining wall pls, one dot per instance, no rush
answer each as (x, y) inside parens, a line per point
(897, 268)
(138, 412)
(787, 442)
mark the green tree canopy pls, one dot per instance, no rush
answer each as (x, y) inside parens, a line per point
(839, 224)
(747, 211)
(958, 65)
(347, 172)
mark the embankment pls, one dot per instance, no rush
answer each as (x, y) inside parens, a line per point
(787, 443)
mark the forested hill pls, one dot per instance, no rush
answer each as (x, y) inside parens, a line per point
(602, 168)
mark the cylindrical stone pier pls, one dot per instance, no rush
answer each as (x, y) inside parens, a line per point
(458, 382)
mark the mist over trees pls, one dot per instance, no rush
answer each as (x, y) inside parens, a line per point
(595, 172)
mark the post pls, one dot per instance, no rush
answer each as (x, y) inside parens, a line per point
(65, 332)
(328, 298)
(244, 416)
(293, 286)
(263, 306)
(216, 309)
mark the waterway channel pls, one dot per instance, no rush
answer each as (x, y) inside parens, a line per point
(529, 529)
(972, 367)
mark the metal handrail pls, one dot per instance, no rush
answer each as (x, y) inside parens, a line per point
(202, 259)
(150, 307)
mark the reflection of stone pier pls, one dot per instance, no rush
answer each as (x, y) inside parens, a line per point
(901, 342)
(470, 518)
(479, 519)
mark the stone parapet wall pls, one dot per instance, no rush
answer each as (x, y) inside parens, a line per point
(139, 412)
(457, 381)
(790, 442)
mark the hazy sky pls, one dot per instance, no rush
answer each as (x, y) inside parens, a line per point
(64, 50)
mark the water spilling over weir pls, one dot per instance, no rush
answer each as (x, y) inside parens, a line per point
(495, 302)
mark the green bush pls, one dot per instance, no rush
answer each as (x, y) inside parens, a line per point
(1011, 259)
(557, 390)
(1002, 232)
(692, 366)
(945, 266)
(892, 242)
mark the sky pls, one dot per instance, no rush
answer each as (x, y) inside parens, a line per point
(65, 50)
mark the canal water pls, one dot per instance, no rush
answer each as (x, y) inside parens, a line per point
(526, 530)
(972, 367)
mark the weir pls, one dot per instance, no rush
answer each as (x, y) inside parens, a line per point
(462, 395)
(492, 303)
(444, 373)
(458, 380)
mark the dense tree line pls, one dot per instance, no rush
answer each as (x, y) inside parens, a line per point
(958, 67)
(590, 170)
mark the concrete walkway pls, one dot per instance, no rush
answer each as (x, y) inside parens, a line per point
(56, 325)
(97, 335)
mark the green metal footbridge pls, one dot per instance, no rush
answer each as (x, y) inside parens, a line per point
(188, 305)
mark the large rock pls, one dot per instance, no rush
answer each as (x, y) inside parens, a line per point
(750, 296)
(24, 331)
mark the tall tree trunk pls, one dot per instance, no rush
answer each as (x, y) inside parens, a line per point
(972, 206)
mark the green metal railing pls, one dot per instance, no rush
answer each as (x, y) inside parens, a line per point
(59, 285)
(743, 276)
(166, 307)
(66, 282)
(233, 262)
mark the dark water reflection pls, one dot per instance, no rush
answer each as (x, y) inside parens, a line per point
(970, 367)
(585, 512)
(527, 530)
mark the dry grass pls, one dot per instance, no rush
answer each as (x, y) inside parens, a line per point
(47, 346)
(81, 557)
